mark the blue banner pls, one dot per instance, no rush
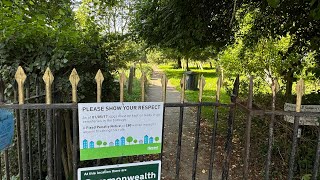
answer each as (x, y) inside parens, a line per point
(6, 128)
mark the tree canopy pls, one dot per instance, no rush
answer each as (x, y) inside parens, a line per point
(184, 26)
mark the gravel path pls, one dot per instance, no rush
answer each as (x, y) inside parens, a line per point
(171, 126)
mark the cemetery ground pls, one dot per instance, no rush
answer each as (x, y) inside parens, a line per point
(171, 124)
(259, 132)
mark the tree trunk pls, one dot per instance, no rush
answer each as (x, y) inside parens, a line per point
(179, 66)
(187, 64)
(201, 66)
(289, 82)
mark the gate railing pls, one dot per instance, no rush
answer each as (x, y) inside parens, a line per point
(54, 125)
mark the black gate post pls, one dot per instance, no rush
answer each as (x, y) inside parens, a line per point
(228, 145)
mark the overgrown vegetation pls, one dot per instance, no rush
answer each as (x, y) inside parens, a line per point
(272, 40)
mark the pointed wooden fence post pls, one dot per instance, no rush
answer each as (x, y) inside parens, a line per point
(74, 80)
(20, 77)
(142, 82)
(164, 83)
(300, 92)
(48, 80)
(202, 83)
(122, 81)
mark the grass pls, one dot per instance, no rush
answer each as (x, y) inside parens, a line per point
(209, 92)
(118, 151)
(260, 125)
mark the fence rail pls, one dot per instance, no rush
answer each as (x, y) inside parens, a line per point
(62, 156)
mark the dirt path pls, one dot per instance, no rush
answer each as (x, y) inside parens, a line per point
(171, 126)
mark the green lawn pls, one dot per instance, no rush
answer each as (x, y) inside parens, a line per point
(209, 93)
(118, 151)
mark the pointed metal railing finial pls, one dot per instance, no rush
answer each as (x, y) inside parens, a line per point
(99, 79)
(48, 80)
(20, 77)
(74, 80)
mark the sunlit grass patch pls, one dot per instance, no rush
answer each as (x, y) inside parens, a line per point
(209, 93)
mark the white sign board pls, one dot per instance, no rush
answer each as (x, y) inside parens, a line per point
(309, 121)
(119, 129)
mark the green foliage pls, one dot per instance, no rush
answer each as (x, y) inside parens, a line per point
(129, 139)
(183, 25)
(273, 3)
(37, 41)
(156, 138)
(297, 19)
(306, 177)
(99, 142)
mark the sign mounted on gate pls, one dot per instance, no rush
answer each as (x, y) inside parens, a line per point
(132, 171)
(119, 129)
(6, 128)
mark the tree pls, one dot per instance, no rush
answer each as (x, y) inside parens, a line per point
(105, 143)
(54, 39)
(99, 143)
(129, 139)
(183, 25)
(135, 141)
(156, 138)
(299, 20)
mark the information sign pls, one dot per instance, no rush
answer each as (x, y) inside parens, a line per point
(307, 121)
(119, 129)
(133, 171)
